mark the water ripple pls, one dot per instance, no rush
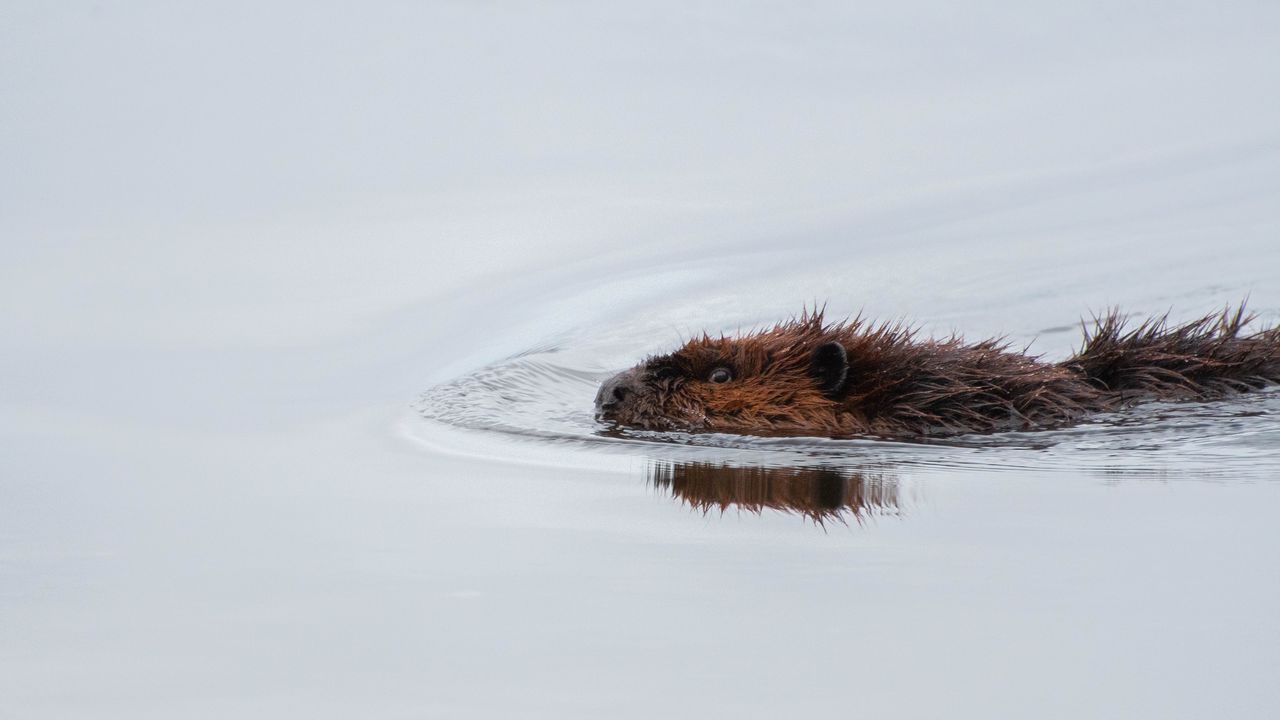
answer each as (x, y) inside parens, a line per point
(543, 397)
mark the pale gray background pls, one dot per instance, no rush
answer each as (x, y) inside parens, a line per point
(239, 239)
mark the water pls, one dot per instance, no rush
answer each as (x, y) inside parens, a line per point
(541, 398)
(304, 312)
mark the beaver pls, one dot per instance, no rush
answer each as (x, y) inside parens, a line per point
(807, 377)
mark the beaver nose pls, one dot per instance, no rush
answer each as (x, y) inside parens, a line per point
(614, 391)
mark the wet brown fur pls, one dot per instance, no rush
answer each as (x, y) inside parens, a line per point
(901, 386)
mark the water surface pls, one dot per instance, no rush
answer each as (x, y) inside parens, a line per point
(304, 310)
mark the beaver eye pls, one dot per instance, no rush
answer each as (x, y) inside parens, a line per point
(720, 375)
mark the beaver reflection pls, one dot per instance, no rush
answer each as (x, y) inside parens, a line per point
(820, 494)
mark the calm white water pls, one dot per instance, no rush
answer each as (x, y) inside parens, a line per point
(304, 309)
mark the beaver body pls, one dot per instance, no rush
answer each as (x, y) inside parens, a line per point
(851, 379)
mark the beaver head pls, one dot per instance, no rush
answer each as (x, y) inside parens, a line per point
(784, 380)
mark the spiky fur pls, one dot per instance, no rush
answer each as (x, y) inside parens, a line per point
(899, 386)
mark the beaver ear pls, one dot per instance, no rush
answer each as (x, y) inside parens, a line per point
(829, 366)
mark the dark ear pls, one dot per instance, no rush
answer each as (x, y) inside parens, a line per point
(829, 367)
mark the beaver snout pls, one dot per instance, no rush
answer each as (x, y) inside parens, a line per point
(615, 390)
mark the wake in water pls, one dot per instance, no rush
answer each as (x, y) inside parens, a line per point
(541, 400)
